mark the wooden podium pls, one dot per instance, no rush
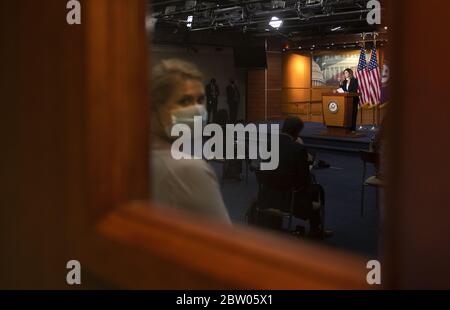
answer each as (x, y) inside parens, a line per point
(337, 113)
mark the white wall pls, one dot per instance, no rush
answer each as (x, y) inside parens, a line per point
(212, 63)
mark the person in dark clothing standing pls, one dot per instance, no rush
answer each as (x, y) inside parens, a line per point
(212, 99)
(350, 85)
(233, 100)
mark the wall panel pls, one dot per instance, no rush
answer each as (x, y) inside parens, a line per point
(274, 79)
(289, 108)
(316, 108)
(296, 95)
(316, 118)
(296, 71)
(316, 93)
(256, 101)
(274, 104)
(274, 70)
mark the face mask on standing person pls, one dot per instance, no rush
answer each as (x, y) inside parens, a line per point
(186, 116)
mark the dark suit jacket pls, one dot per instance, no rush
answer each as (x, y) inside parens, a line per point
(233, 95)
(293, 168)
(210, 94)
(294, 160)
(353, 88)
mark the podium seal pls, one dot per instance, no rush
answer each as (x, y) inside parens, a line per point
(333, 107)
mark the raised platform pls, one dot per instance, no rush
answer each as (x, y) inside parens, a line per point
(316, 136)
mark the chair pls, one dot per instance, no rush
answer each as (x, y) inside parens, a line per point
(372, 181)
(227, 163)
(270, 182)
(274, 185)
(225, 166)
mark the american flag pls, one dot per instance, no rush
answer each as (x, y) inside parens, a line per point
(363, 77)
(375, 80)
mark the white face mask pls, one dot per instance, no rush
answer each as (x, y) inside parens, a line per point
(186, 116)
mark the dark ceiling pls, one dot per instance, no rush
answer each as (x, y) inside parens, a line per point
(237, 22)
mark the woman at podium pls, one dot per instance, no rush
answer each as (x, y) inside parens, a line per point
(350, 85)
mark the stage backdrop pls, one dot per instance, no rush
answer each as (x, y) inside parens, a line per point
(328, 67)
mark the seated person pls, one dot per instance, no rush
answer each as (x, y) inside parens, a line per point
(312, 157)
(294, 160)
(191, 185)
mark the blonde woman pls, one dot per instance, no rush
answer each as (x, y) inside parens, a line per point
(177, 95)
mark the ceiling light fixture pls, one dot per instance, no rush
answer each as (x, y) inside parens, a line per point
(275, 22)
(189, 21)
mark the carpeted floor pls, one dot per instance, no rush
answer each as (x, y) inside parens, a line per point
(342, 183)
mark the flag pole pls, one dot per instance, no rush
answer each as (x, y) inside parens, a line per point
(376, 110)
(363, 36)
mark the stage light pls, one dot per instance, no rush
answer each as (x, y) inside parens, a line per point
(275, 22)
(170, 9)
(386, 28)
(336, 28)
(190, 5)
(278, 4)
(189, 21)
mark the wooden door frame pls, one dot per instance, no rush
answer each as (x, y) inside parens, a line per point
(78, 170)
